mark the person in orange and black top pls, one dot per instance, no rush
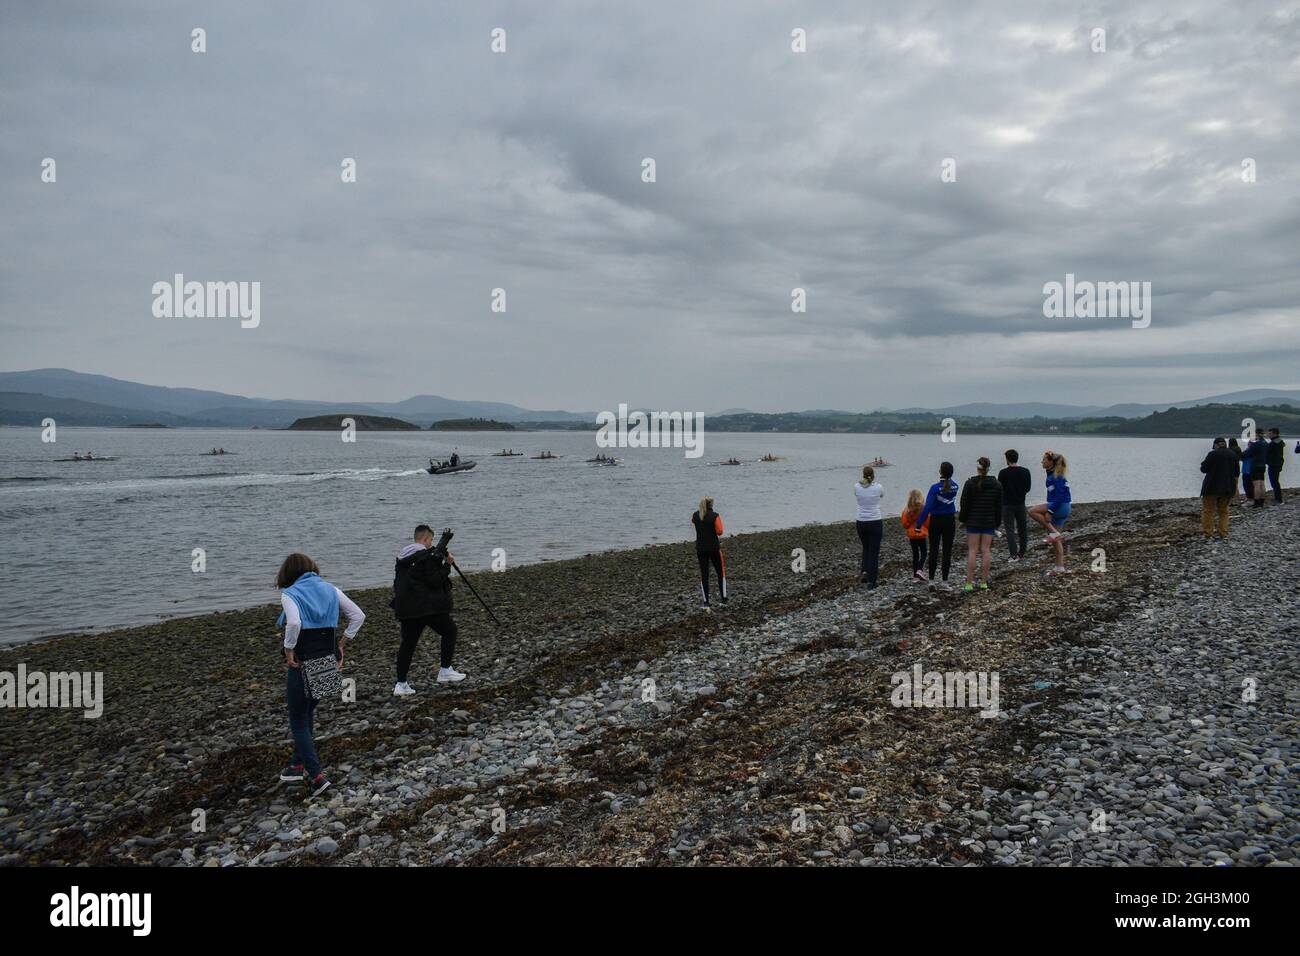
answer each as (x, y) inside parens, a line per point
(708, 548)
(919, 537)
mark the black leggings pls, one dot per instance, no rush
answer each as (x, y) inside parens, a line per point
(943, 528)
(919, 548)
(714, 558)
(412, 628)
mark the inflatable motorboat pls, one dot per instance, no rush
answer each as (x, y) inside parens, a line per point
(442, 468)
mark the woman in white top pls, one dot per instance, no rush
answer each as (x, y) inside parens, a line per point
(870, 526)
(311, 608)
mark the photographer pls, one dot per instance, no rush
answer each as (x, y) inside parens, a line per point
(422, 598)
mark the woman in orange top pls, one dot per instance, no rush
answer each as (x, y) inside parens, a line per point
(919, 537)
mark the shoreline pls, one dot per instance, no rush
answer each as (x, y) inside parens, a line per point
(522, 428)
(889, 515)
(780, 702)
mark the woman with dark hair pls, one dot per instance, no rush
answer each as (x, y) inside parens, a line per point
(941, 511)
(980, 512)
(310, 614)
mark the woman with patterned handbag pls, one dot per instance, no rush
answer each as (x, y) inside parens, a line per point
(310, 615)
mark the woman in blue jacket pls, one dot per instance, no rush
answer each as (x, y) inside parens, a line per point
(941, 509)
(1056, 511)
(310, 614)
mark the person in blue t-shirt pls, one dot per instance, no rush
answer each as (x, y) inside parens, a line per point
(1056, 511)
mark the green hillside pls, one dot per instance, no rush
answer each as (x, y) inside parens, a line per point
(364, 423)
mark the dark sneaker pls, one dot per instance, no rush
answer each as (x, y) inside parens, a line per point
(292, 773)
(317, 785)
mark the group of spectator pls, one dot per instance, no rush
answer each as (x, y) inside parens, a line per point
(1261, 459)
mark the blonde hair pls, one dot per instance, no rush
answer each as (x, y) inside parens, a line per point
(914, 500)
(868, 474)
(705, 504)
(1059, 465)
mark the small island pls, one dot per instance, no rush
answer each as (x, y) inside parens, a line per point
(472, 425)
(364, 423)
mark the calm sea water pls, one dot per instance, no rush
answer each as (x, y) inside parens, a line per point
(96, 545)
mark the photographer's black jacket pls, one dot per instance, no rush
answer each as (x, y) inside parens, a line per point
(421, 584)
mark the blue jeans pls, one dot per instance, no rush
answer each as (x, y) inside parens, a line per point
(301, 713)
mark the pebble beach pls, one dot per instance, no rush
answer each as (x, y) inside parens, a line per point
(1147, 715)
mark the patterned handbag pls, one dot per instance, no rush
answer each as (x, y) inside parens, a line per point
(321, 679)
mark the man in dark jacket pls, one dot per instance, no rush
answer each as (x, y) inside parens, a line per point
(1276, 458)
(1015, 481)
(1217, 487)
(422, 598)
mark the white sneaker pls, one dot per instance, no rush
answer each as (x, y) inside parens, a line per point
(403, 689)
(449, 675)
(706, 608)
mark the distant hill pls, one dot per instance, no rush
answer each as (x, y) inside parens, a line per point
(77, 398)
(1201, 421)
(364, 423)
(28, 408)
(1206, 421)
(197, 407)
(1252, 396)
(472, 425)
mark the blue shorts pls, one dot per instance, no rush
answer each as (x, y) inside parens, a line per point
(970, 530)
(1059, 518)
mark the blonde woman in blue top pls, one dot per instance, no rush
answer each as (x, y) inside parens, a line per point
(1056, 511)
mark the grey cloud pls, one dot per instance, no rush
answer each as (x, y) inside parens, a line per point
(775, 171)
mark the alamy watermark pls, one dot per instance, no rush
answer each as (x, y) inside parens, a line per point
(208, 300)
(37, 689)
(1098, 300)
(950, 689)
(652, 430)
(75, 908)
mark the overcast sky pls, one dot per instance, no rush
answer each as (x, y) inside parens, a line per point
(775, 170)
